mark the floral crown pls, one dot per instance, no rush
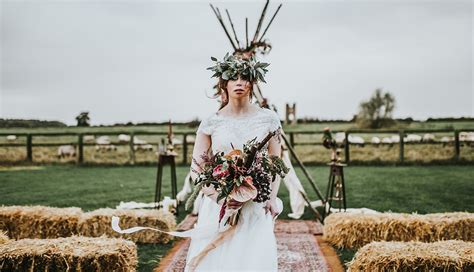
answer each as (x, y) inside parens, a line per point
(231, 66)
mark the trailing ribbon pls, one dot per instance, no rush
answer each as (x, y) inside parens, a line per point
(221, 234)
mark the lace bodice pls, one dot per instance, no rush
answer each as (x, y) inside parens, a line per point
(225, 130)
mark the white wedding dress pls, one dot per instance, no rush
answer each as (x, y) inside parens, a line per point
(253, 246)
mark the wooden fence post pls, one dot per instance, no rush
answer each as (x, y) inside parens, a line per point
(29, 148)
(402, 145)
(132, 148)
(457, 149)
(346, 147)
(80, 146)
(185, 149)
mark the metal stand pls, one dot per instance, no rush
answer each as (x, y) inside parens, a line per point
(164, 159)
(336, 188)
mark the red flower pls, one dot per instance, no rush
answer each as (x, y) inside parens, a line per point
(218, 173)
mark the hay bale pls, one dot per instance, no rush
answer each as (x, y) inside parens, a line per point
(98, 222)
(39, 221)
(74, 253)
(355, 230)
(451, 255)
(3, 237)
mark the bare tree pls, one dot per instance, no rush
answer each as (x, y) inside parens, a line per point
(377, 111)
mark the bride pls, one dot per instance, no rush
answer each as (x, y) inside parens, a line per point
(252, 247)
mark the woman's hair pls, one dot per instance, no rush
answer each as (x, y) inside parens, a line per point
(222, 89)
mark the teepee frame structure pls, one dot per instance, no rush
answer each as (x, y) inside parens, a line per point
(257, 44)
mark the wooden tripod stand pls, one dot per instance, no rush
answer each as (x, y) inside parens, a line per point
(165, 159)
(336, 189)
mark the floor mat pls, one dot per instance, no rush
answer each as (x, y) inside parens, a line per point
(298, 248)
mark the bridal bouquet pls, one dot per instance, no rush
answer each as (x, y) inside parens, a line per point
(242, 175)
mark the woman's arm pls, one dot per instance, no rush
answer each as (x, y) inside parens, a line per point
(202, 145)
(274, 148)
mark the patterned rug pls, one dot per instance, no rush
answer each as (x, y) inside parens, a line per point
(298, 226)
(296, 252)
(298, 247)
(282, 225)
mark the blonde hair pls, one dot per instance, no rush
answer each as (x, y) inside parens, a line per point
(221, 87)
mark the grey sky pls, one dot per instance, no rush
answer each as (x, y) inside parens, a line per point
(146, 60)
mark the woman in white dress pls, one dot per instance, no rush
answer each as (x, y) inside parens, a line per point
(253, 246)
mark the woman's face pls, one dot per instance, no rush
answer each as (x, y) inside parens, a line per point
(239, 88)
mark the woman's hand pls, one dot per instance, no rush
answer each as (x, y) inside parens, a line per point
(208, 190)
(211, 192)
(270, 206)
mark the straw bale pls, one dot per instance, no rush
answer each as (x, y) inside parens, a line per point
(356, 230)
(39, 221)
(73, 253)
(450, 255)
(98, 222)
(4, 237)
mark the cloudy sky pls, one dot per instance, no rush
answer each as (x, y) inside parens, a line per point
(146, 60)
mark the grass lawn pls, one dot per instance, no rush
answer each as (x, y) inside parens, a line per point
(422, 189)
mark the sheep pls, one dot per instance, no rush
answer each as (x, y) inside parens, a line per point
(375, 140)
(190, 139)
(103, 143)
(395, 138)
(428, 137)
(356, 140)
(466, 136)
(447, 140)
(340, 137)
(141, 144)
(103, 140)
(387, 140)
(11, 138)
(66, 151)
(89, 138)
(138, 141)
(413, 138)
(124, 138)
(105, 147)
(176, 141)
(147, 147)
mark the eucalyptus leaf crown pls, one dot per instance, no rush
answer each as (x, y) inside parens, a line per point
(231, 67)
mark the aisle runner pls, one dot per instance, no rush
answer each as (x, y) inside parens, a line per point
(298, 249)
(282, 225)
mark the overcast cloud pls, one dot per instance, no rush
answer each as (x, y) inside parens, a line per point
(146, 60)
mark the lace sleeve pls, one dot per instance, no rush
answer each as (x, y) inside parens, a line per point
(205, 126)
(275, 123)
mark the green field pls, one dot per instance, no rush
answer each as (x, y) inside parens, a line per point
(422, 189)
